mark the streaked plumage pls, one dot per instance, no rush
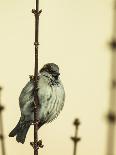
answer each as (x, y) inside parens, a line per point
(51, 96)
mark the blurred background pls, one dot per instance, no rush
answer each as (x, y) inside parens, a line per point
(75, 35)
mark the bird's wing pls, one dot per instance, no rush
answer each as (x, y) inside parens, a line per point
(26, 98)
(26, 95)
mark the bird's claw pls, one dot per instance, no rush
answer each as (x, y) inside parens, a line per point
(31, 77)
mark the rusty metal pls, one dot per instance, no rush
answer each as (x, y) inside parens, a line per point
(76, 139)
(1, 127)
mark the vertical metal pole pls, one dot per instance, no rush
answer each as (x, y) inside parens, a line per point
(75, 139)
(1, 127)
(36, 144)
(35, 80)
(111, 117)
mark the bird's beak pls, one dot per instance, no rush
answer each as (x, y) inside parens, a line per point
(56, 75)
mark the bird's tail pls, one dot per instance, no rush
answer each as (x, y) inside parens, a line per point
(20, 131)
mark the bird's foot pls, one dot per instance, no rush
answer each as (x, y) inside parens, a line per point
(38, 145)
(32, 77)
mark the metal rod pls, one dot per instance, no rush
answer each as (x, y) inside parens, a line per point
(35, 145)
(35, 80)
(111, 117)
(76, 139)
(1, 127)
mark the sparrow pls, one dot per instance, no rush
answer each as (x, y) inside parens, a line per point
(51, 94)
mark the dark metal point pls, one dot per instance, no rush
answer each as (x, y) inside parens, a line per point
(111, 117)
(113, 44)
(36, 12)
(32, 144)
(76, 122)
(0, 88)
(1, 108)
(33, 11)
(76, 139)
(39, 144)
(1, 136)
(40, 11)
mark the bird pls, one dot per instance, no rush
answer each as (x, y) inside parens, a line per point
(51, 95)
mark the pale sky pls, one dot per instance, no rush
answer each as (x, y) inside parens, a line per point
(74, 34)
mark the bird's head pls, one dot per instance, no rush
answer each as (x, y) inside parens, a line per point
(52, 69)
